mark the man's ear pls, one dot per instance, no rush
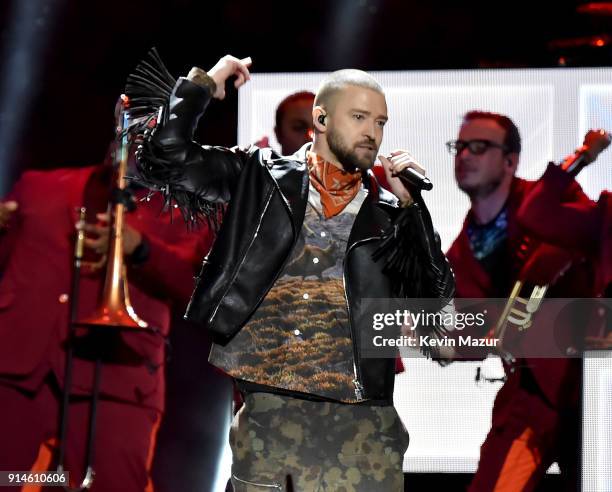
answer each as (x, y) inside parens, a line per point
(319, 119)
(512, 160)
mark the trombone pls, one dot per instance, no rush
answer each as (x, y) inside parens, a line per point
(114, 310)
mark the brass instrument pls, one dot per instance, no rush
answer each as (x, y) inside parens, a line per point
(526, 296)
(114, 309)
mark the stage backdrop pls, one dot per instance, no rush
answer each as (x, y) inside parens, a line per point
(446, 412)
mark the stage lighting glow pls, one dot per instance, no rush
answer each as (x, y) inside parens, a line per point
(28, 32)
(553, 109)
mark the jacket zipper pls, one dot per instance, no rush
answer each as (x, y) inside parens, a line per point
(275, 187)
(359, 390)
(244, 256)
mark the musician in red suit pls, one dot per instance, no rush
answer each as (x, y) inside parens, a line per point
(37, 233)
(547, 217)
(536, 417)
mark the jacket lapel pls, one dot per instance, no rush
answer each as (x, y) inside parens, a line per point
(478, 277)
(374, 216)
(290, 176)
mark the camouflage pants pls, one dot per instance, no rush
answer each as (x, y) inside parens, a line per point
(321, 446)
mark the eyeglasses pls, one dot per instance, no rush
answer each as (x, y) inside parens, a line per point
(476, 147)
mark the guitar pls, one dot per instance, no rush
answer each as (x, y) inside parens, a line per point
(543, 265)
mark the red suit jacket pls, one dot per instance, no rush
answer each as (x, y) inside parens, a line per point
(605, 202)
(557, 378)
(545, 215)
(35, 267)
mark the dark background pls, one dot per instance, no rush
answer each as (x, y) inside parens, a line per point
(65, 108)
(64, 62)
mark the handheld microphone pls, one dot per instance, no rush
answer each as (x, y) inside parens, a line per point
(416, 179)
(595, 142)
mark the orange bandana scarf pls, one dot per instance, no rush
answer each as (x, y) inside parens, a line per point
(336, 187)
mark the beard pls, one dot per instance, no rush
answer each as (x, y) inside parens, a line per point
(348, 157)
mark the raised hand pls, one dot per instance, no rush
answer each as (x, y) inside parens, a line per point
(227, 67)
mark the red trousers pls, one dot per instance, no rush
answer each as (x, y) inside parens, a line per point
(125, 438)
(526, 437)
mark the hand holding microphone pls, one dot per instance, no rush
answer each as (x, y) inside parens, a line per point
(403, 173)
(416, 179)
(595, 142)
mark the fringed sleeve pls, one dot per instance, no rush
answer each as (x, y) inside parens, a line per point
(196, 180)
(416, 266)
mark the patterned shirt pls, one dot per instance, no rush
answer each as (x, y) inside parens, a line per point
(299, 338)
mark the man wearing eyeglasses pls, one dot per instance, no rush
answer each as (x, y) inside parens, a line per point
(486, 157)
(535, 419)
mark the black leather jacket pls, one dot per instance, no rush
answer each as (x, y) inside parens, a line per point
(267, 196)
